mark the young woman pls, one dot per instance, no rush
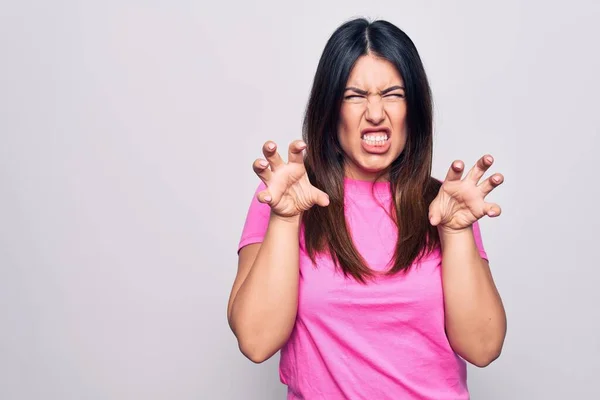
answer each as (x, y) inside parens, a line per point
(368, 274)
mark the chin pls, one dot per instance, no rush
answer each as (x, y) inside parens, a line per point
(368, 166)
(372, 169)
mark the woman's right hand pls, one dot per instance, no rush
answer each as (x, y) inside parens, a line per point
(288, 192)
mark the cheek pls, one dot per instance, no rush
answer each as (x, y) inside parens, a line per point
(349, 124)
(397, 116)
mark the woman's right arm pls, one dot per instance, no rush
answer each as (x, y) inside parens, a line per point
(264, 299)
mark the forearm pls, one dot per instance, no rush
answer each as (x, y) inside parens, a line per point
(264, 310)
(475, 317)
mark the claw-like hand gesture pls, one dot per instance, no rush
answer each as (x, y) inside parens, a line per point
(461, 202)
(288, 192)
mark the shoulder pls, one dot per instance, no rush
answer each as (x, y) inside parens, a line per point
(257, 220)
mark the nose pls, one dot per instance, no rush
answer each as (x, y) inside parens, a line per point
(375, 113)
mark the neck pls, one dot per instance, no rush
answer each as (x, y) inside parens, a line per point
(368, 176)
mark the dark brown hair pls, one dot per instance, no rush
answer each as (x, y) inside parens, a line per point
(413, 188)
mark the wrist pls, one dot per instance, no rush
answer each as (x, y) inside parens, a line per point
(449, 235)
(294, 219)
(445, 231)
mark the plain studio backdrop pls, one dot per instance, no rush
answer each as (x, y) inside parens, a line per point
(128, 130)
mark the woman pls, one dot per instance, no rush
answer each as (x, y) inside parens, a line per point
(367, 273)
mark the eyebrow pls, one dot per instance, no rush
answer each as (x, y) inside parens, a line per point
(385, 91)
(391, 89)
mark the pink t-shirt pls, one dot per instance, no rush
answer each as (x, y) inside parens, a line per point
(383, 340)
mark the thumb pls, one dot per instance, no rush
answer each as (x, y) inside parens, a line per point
(321, 198)
(434, 216)
(434, 220)
(492, 210)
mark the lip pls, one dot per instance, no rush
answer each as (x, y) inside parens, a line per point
(387, 131)
(376, 149)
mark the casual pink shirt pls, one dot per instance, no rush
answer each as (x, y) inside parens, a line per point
(382, 340)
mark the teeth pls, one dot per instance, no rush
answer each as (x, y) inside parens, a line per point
(375, 139)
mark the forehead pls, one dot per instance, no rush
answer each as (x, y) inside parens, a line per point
(373, 72)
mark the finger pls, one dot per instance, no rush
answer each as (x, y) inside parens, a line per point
(480, 167)
(271, 154)
(261, 168)
(490, 183)
(264, 196)
(492, 210)
(455, 171)
(321, 198)
(295, 152)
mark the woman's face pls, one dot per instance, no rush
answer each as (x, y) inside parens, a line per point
(372, 126)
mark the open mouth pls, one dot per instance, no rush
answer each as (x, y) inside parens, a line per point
(376, 138)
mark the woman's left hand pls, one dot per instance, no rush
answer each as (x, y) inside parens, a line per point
(460, 202)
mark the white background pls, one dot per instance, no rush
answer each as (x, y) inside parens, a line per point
(127, 133)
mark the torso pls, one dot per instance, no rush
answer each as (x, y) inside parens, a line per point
(380, 340)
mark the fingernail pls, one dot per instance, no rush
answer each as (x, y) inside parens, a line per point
(492, 213)
(267, 198)
(489, 159)
(264, 163)
(271, 146)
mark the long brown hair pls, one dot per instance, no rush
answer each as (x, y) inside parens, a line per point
(413, 189)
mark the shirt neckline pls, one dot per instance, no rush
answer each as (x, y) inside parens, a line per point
(367, 187)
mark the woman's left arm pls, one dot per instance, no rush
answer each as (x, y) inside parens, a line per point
(475, 317)
(474, 313)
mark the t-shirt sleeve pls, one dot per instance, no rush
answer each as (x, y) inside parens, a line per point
(479, 241)
(257, 221)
